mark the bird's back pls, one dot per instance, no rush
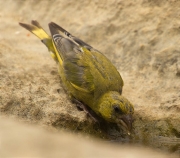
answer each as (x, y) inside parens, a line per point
(86, 73)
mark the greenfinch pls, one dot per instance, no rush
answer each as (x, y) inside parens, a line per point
(87, 75)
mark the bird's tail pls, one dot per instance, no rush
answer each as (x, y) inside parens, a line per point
(37, 30)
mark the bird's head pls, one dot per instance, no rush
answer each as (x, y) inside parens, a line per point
(115, 108)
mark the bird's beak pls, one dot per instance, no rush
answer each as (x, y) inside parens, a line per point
(126, 121)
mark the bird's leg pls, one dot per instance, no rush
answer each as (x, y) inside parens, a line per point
(83, 107)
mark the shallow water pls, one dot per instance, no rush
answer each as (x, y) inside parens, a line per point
(151, 137)
(166, 144)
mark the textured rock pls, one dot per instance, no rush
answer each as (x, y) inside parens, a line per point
(140, 37)
(21, 140)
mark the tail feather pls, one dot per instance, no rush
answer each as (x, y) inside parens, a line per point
(36, 30)
(28, 27)
(35, 23)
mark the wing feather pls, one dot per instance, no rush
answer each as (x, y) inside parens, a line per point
(71, 53)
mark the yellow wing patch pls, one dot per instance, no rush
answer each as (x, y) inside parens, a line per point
(79, 88)
(57, 54)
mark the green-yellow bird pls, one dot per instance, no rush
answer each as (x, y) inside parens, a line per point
(88, 76)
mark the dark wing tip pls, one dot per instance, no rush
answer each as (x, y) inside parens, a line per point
(77, 40)
(53, 29)
(61, 29)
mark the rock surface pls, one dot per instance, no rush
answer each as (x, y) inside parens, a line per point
(142, 39)
(21, 140)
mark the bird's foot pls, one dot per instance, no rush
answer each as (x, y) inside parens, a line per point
(85, 108)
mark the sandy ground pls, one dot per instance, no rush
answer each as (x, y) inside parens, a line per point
(142, 39)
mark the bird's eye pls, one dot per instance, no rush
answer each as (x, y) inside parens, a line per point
(117, 109)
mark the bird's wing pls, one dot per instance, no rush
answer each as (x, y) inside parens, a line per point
(70, 55)
(70, 36)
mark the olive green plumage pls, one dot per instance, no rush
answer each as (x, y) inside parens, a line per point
(87, 74)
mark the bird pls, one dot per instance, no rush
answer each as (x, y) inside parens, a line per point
(88, 76)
